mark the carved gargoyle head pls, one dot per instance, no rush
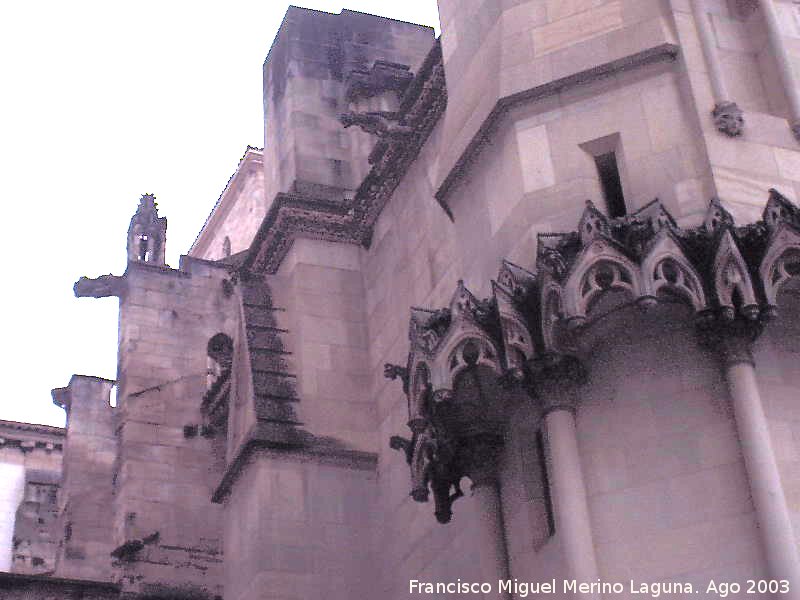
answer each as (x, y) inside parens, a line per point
(728, 118)
(347, 119)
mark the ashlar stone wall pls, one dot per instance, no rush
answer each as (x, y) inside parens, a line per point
(166, 474)
(656, 429)
(86, 495)
(24, 448)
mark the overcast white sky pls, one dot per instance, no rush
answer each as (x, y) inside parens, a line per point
(101, 102)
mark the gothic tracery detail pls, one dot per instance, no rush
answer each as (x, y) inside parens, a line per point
(464, 357)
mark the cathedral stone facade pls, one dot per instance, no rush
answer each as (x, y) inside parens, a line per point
(514, 311)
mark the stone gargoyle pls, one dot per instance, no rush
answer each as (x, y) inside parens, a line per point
(381, 124)
(100, 287)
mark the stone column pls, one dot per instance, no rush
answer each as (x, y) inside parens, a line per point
(558, 389)
(482, 471)
(727, 115)
(772, 512)
(781, 53)
(570, 507)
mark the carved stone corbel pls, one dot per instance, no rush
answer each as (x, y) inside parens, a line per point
(732, 338)
(728, 118)
(455, 397)
(467, 361)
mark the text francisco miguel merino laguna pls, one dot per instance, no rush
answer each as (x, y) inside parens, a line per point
(522, 589)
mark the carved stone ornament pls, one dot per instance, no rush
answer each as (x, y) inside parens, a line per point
(728, 118)
(464, 359)
(382, 77)
(147, 233)
(100, 287)
(796, 130)
(380, 123)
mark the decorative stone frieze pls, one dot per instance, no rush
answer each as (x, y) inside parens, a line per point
(21, 435)
(528, 335)
(722, 271)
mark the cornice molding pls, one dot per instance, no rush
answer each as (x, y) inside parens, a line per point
(33, 428)
(28, 437)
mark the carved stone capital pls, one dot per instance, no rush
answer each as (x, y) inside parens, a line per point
(734, 350)
(480, 456)
(558, 368)
(566, 400)
(728, 118)
(557, 380)
(731, 338)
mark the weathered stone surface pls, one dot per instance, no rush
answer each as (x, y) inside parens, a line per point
(249, 452)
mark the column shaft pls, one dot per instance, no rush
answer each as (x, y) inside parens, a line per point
(570, 505)
(493, 553)
(709, 44)
(784, 61)
(766, 489)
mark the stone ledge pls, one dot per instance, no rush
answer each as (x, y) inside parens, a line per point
(295, 445)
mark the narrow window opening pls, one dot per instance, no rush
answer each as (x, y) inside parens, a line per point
(548, 502)
(143, 248)
(610, 182)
